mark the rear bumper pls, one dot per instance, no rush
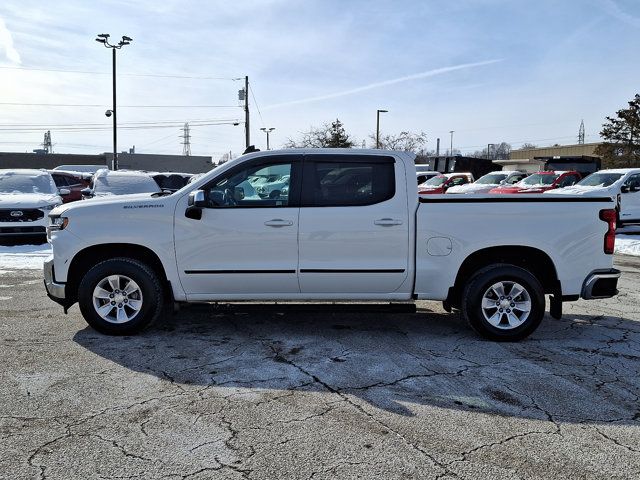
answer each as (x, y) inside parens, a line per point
(55, 291)
(601, 284)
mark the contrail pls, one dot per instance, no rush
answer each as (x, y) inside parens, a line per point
(371, 86)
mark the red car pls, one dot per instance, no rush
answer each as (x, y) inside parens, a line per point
(441, 183)
(72, 181)
(540, 182)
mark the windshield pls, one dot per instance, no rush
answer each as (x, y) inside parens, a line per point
(600, 179)
(435, 181)
(540, 179)
(125, 184)
(26, 183)
(492, 179)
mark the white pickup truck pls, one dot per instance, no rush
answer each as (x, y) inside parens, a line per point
(350, 227)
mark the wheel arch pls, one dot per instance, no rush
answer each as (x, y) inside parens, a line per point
(87, 258)
(531, 259)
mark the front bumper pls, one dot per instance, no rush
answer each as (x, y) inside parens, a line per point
(601, 284)
(55, 291)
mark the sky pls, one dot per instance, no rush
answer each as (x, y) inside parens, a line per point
(490, 70)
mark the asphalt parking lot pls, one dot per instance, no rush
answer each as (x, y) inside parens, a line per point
(275, 391)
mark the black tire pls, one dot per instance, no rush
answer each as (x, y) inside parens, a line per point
(481, 282)
(150, 287)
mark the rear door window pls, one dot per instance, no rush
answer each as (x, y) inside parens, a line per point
(345, 181)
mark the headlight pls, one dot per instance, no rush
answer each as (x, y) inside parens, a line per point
(58, 222)
(50, 207)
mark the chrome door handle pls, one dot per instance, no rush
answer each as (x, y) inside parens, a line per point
(278, 222)
(387, 222)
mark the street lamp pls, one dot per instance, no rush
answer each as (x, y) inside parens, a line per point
(268, 131)
(451, 148)
(103, 38)
(378, 112)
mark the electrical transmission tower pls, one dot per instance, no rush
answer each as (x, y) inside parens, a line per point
(186, 140)
(47, 145)
(581, 133)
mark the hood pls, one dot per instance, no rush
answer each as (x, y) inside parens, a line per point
(28, 200)
(582, 190)
(473, 188)
(133, 199)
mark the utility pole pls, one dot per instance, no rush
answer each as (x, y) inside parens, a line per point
(186, 140)
(451, 149)
(378, 112)
(247, 134)
(438, 147)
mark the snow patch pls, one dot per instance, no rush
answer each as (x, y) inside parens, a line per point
(23, 257)
(628, 245)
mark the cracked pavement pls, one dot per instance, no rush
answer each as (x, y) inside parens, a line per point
(318, 392)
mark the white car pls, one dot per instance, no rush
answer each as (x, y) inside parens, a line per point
(120, 182)
(352, 228)
(621, 183)
(489, 181)
(81, 168)
(26, 198)
(274, 188)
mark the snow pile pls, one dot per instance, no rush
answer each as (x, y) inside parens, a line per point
(23, 257)
(628, 244)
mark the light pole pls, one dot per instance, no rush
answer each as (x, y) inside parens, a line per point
(378, 112)
(489, 150)
(104, 39)
(268, 131)
(451, 148)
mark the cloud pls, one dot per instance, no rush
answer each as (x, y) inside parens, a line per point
(613, 9)
(371, 86)
(6, 43)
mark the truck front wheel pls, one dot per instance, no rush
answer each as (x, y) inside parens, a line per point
(503, 302)
(120, 296)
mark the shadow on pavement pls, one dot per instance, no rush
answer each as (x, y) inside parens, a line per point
(583, 369)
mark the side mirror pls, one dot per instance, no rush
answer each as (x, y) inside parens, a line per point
(64, 192)
(238, 193)
(86, 192)
(625, 189)
(197, 199)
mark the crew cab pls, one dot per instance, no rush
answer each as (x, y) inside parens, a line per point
(352, 227)
(441, 183)
(540, 182)
(621, 183)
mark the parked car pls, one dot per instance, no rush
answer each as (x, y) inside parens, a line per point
(621, 183)
(272, 189)
(119, 182)
(81, 168)
(540, 182)
(352, 228)
(26, 197)
(171, 181)
(441, 183)
(424, 175)
(75, 182)
(490, 181)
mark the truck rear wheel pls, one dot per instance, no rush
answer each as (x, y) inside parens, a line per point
(120, 296)
(503, 302)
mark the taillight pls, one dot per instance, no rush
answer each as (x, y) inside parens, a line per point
(609, 216)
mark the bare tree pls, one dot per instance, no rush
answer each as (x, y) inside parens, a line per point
(403, 141)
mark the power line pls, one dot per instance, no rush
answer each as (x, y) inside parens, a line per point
(83, 72)
(16, 104)
(256, 104)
